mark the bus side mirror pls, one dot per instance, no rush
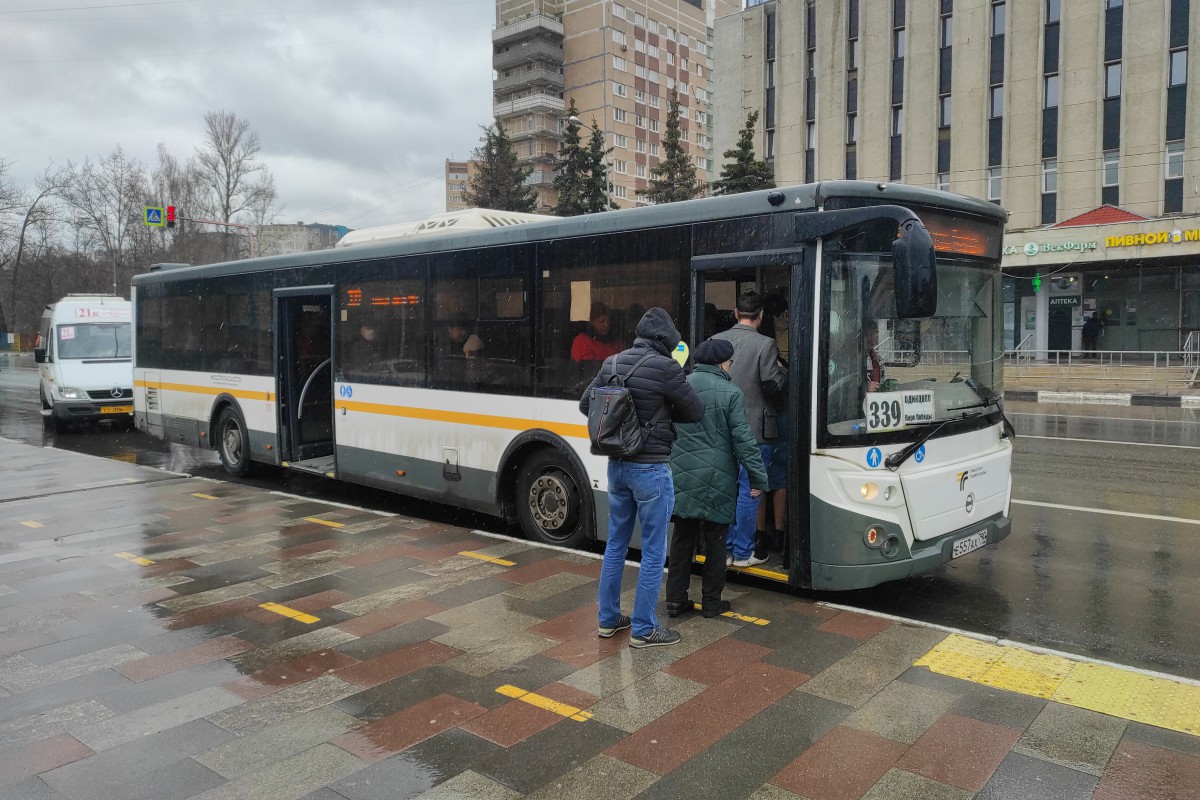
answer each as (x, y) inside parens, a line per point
(915, 271)
(39, 355)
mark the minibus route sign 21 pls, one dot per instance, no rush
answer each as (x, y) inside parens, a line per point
(889, 411)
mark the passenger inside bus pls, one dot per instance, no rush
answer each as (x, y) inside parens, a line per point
(596, 342)
(366, 351)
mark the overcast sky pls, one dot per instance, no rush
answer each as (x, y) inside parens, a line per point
(357, 102)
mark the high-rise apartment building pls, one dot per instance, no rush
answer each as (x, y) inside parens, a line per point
(619, 62)
(1072, 114)
(458, 173)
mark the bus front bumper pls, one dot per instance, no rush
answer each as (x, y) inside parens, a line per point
(923, 559)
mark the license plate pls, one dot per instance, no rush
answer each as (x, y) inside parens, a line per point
(116, 409)
(966, 545)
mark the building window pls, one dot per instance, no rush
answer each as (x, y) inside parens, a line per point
(851, 128)
(620, 115)
(654, 101)
(639, 46)
(1112, 80)
(943, 181)
(897, 120)
(639, 145)
(618, 11)
(654, 150)
(639, 120)
(944, 111)
(620, 166)
(1113, 3)
(639, 20)
(1053, 11)
(810, 136)
(620, 64)
(997, 19)
(947, 31)
(1049, 175)
(620, 140)
(652, 51)
(620, 38)
(996, 102)
(653, 125)
(620, 192)
(670, 58)
(898, 43)
(852, 54)
(652, 26)
(769, 150)
(1174, 160)
(1051, 92)
(1178, 72)
(1112, 168)
(993, 184)
(670, 34)
(620, 90)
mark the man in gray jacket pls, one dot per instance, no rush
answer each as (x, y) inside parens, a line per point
(756, 371)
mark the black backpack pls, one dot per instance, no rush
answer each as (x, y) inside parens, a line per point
(613, 424)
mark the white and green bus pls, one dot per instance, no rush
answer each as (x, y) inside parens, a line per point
(434, 360)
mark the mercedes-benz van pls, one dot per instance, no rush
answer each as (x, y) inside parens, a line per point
(85, 361)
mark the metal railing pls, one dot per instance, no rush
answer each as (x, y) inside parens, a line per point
(1021, 351)
(1191, 349)
(1158, 372)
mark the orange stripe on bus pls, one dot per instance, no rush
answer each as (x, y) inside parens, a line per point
(244, 394)
(462, 418)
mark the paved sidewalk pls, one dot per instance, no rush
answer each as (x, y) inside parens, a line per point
(165, 637)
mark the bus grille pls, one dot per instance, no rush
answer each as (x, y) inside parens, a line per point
(106, 394)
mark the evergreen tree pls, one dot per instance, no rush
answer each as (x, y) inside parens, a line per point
(744, 172)
(582, 179)
(499, 180)
(674, 178)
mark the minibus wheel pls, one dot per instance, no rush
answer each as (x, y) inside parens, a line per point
(550, 504)
(233, 443)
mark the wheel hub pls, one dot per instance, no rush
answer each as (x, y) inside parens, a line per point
(548, 502)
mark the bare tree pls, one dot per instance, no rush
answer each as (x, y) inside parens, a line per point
(106, 198)
(227, 163)
(34, 232)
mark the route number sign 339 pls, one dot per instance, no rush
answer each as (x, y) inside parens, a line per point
(889, 411)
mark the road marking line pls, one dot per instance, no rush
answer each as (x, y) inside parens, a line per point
(1159, 517)
(145, 562)
(325, 522)
(1117, 692)
(491, 559)
(737, 616)
(562, 709)
(203, 496)
(291, 613)
(31, 524)
(1107, 441)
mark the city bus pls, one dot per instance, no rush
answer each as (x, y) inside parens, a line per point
(435, 361)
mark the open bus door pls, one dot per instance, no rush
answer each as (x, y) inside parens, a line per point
(785, 282)
(304, 359)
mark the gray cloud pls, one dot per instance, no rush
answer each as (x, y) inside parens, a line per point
(357, 102)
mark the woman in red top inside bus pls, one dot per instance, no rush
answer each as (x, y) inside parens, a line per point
(595, 343)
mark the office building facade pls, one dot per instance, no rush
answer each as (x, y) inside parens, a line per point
(1078, 116)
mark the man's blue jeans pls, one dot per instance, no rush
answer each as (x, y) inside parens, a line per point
(740, 541)
(647, 492)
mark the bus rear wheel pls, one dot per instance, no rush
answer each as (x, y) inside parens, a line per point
(550, 502)
(233, 443)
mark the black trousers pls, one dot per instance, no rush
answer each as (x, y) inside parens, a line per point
(688, 532)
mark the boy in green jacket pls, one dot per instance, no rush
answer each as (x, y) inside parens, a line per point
(704, 466)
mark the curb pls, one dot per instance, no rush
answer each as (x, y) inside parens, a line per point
(1104, 399)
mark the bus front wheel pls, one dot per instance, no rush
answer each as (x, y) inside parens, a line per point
(233, 443)
(550, 502)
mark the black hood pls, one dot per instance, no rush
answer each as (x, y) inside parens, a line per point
(656, 325)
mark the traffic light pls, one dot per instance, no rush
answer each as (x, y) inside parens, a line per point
(170, 216)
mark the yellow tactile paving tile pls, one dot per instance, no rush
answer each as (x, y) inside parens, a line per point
(1118, 692)
(562, 709)
(492, 559)
(290, 613)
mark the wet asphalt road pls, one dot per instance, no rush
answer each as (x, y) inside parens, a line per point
(1103, 560)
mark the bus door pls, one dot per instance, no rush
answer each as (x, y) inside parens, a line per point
(780, 278)
(304, 351)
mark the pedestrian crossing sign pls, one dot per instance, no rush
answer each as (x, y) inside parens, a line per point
(153, 216)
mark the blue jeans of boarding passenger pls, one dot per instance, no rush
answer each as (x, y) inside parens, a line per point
(740, 540)
(645, 492)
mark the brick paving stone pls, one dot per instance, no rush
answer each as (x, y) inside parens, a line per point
(151, 719)
(617, 779)
(750, 690)
(283, 705)
(715, 662)
(960, 751)
(291, 778)
(469, 784)
(397, 663)
(1026, 776)
(896, 784)
(144, 669)
(902, 713)
(674, 738)
(586, 649)
(570, 625)
(20, 763)
(289, 673)
(842, 765)
(383, 619)
(1143, 772)
(257, 751)
(546, 567)
(391, 734)
(513, 722)
(1073, 737)
(645, 701)
(855, 625)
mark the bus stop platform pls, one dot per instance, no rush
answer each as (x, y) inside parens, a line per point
(166, 637)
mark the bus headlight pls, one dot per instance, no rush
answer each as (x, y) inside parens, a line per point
(67, 393)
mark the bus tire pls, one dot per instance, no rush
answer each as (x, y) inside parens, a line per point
(550, 503)
(233, 441)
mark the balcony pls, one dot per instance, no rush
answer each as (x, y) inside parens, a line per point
(533, 102)
(533, 77)
(540, 177)
(538, 50)
(533, 25)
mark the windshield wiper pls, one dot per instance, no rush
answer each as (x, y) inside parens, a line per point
(894, 461)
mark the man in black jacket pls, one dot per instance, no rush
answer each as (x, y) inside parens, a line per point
(641, 485)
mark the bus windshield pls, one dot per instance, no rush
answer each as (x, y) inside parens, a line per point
(94, 340)
(891, 377)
